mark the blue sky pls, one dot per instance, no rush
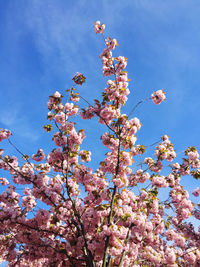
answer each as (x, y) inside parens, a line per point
(43, 44)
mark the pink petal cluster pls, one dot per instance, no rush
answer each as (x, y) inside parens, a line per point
(4, 134)
(196, 192)
(158, 96)
(165, 150)
(98, 27)
(39, 156)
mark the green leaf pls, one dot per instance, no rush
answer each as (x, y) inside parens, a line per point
(48, 127)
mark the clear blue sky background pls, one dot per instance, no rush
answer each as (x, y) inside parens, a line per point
(43, 43)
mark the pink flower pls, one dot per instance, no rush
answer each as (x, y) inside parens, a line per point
(3, 181)
(85, 155)
(99, 28)
(196, 192)
(61, 117)
(193, 155)
(4, 134)
(170, 234)
(57, 94)
(179, 240)
(158, 97)
(170, 256)
(185, 214)
(159, 181)
(189, 257)
(28, 202)
(111, 44)
(39, 156)
(59, 139)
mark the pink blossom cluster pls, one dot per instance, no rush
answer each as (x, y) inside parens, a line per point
(39, 156)
(196, 192)
(193, 157)
(155, 166)
(98, 27)
(28, 202)
(3, 181)
(165, 150)
(183, 205)
(85, 155)
(139, 177)
(158, 96)
(159, 181)
(4, 134)
(189, 164)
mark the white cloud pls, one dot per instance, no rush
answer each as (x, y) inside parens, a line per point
(59, 33)
(13, 119)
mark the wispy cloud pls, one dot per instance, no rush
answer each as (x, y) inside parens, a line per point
(60, 34)
(156, 34)
(13, 120)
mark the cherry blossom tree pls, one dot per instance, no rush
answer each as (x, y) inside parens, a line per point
(109, 224)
